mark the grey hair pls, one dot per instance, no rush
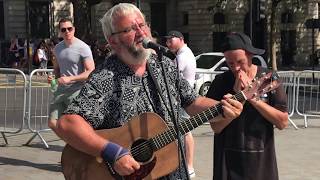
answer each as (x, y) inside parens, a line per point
(107, 21)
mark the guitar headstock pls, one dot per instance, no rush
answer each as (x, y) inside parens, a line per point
(262, 85)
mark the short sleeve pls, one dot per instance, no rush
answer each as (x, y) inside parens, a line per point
(90, 103)
(221, 85)
(86, 53)
(187, 93)
(279, 99)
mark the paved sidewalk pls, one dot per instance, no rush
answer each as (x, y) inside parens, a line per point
(298, 154)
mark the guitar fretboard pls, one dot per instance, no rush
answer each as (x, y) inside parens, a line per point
(195, 121)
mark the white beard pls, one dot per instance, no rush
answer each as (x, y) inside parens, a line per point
(134, 55)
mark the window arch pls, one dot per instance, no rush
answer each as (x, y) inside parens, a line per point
(218, 35)
(288, 44)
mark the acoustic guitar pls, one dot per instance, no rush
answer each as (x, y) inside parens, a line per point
(150, 141)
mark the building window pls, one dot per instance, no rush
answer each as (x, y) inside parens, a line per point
(186, 37)
(287, 17)
(318, 10)
(288, 44)
(185, 20)
(288, 47)
(219, 35)
(39, 19)
(1, 20)
(219, 18)
(217, 40)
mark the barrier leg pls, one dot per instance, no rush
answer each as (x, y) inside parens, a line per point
(41, 138)
(305, 121)
(293, 124)
(5, 138)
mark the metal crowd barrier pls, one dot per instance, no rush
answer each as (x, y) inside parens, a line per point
(18, 107)
(288, 80)
(38, 105)
(13, 88)
(308, 94)
(204, 79)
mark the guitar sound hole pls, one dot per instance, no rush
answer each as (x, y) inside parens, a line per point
(141, 150)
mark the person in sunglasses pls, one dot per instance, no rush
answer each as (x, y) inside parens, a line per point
(129, 84)
(74, 62)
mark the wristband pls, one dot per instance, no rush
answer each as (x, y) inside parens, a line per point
(112, 152)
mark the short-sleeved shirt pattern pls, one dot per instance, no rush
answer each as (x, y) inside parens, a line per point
(245, 149)
(114, 94)
(70, 60)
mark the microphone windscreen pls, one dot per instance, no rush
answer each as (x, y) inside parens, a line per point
(145, 42)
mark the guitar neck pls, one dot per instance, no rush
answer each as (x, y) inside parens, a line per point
(195, 121)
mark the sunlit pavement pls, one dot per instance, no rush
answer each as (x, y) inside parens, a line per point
(298, 154)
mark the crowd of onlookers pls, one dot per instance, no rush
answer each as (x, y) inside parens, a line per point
(14, 53)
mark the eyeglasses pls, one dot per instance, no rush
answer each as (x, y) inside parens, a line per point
(133, 28)
(65, 29)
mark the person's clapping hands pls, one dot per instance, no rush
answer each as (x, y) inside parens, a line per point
(242, 81)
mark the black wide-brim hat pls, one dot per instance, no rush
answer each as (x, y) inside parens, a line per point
(238, 40)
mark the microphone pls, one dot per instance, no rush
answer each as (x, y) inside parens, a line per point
(147, 43)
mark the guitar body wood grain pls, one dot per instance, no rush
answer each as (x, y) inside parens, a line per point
(77, 165)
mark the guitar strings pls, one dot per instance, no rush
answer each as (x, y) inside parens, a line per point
(144, 147)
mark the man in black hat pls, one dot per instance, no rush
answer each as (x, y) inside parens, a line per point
(244, 147)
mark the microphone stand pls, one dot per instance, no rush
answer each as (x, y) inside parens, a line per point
(173, 115)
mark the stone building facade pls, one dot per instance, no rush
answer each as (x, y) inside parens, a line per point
(203, 22)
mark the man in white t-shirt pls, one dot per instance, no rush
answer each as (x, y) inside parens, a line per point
(187, 66)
